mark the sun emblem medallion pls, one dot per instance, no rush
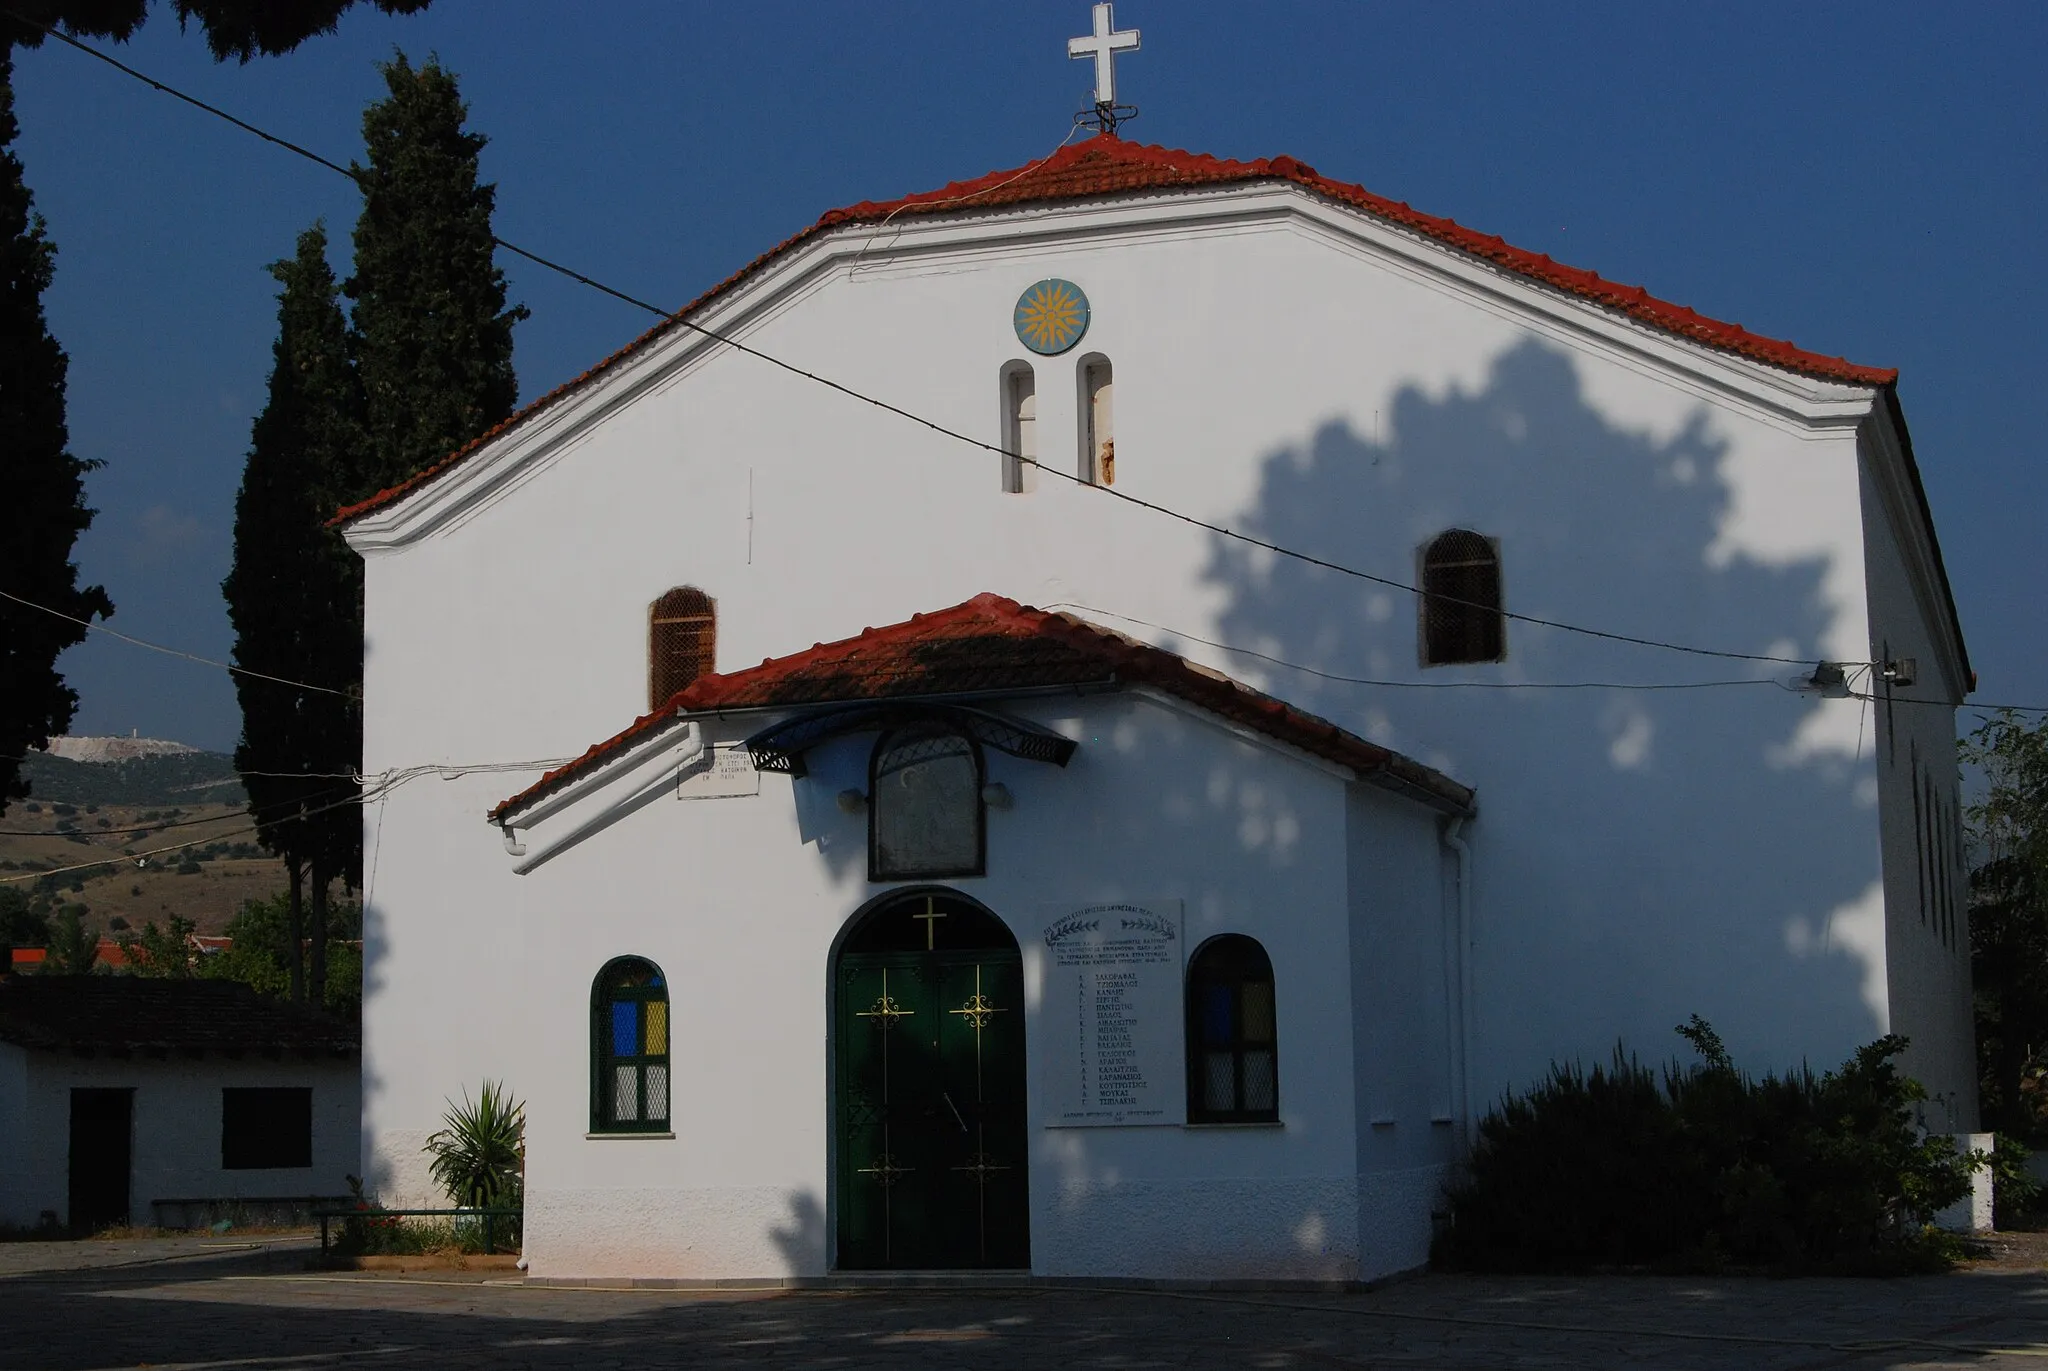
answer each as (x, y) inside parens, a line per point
(1051, 317)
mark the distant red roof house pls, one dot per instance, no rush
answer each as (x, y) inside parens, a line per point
(1105, 166)
(986, 645)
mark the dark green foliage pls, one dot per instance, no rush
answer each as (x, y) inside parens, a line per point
(295, 592)
(1625, 1166)
(165, 778)
(42, 510)
(73, 949)
(24, 922)
(260, 953)
(2015, 1194)
(2009, 923)
(433, 333)
(234, 28)
(479, 1153)
(165, 954)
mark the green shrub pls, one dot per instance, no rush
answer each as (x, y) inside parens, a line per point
(2015, 1194)
(1703, 1165)
(372, 1234)
(479, 1154)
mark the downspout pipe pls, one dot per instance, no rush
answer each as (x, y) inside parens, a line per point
(1454, 839)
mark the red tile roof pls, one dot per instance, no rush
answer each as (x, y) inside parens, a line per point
(989, 645)
(149, 1014)
(1105, 165)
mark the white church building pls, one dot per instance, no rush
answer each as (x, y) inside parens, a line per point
(1312, 667)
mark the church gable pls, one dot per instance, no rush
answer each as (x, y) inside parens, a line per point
(1107, 168)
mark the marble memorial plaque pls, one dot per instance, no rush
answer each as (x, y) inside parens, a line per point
(1113, 1024)
(726, 770)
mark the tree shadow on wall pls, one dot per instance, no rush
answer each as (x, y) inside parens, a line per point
(1641, 854)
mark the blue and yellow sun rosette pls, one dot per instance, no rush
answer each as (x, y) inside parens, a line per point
(1051, 317)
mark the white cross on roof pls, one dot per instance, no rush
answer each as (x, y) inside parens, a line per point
(1103, 45)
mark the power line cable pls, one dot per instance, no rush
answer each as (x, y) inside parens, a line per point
(140, 857)
(172, 651)
(1415, 685)
(728, 341)
(155, 826)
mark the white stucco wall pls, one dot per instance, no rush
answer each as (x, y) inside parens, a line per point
(1158, 802)
(1405, 1033)
(175, 1147)
(15, 1182)
(1912, 732)
(1280, 369)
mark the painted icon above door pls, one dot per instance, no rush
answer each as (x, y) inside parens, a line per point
(1051, 316)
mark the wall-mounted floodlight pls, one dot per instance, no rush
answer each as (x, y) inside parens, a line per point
(852, 801)
(996, 795)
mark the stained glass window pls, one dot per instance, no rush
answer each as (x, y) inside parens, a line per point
(924, 809)
(629, 1049)
(1233, 1038)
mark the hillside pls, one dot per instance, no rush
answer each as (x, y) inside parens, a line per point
(109, 816)
(164, 778)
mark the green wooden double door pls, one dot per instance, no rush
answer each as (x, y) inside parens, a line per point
(930, 1105)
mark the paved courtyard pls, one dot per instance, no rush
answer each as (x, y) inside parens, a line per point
(218, 1303)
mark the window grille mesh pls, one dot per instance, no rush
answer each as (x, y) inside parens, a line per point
(1461, 602)
(682, 642)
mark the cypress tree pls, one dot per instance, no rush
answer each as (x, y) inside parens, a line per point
(43, 510)
(234, 28)
(294, 597)
(433, 332)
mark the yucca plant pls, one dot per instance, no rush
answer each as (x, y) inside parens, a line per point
(479, 1153)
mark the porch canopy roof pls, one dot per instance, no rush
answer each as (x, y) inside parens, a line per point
(988, 647)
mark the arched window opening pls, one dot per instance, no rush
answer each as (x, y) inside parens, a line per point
(1461, 602)
(1020, 428)
(925, 815)
(1098, 422)
(629, 1033)
(1233, 1045)
(682, 642)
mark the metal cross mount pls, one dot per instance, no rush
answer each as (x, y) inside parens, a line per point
(1101, 46)
(1106, 117)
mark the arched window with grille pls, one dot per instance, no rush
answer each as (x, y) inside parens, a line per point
(682, 642)
(1461, 601)
(629, 1034)
(1233, 1040)
(925, 815)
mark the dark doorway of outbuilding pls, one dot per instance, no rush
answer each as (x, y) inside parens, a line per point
(102, 1123)
(933, 1173)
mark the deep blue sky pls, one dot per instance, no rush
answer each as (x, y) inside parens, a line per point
(1865, 179)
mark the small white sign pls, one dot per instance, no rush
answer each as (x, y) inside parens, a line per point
(1112, 1052)
(726, 770)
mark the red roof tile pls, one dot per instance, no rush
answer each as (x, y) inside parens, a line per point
(991, 644)
(140, 1013)
(1106, 165)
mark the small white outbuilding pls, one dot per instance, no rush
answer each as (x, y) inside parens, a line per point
(170, 1103)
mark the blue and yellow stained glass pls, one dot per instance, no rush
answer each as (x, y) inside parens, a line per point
(1051, 317)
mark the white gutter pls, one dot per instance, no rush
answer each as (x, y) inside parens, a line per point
(651, 776)
(1454, 839)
